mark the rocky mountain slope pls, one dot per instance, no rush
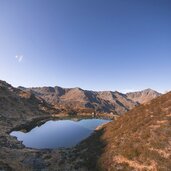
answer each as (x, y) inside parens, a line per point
(17, 105)
(20, 109)
(143, 96)
(84, 100)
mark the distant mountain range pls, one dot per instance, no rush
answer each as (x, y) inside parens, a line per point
(88, 101)
(66, 99)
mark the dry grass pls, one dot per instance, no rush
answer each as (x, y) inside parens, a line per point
(141, 139)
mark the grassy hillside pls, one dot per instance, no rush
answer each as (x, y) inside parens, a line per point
(139, 140)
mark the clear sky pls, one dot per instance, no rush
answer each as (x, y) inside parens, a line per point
(93, 44)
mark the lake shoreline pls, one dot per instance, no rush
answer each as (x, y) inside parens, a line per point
(12, 149)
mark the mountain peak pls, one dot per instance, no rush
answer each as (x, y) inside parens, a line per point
(143, 96)
(150, 90)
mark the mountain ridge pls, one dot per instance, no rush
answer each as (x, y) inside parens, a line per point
(100, 101)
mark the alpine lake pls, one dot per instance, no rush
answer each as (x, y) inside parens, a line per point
(61, 133)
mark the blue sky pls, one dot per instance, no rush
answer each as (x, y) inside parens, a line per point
(93, 44)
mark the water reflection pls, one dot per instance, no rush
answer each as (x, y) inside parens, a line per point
(60, 133)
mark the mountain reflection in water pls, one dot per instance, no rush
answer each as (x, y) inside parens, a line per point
(60, 133)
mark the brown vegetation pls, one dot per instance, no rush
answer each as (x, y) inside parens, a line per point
(139, 140)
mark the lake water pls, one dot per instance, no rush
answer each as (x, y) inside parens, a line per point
(60, 133)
